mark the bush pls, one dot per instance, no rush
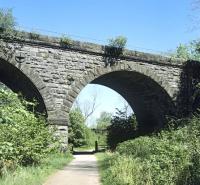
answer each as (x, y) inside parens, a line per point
(118, 42)
(24, 138)
(121, 129)
(170, 157)
(65, 41)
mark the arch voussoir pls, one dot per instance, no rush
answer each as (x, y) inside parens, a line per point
(35, 79)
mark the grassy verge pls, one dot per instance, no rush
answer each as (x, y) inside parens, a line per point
(171, 157)
(116, 170)
(36, 175)
(103, 165)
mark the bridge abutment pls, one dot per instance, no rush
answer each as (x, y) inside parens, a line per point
(60, 127)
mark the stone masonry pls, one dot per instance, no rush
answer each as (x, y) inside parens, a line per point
(40, 68)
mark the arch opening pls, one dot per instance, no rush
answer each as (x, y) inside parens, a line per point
(95, 99)
(18, 82)
(149, 101)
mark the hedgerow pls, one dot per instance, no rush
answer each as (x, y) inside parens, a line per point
(24, 138)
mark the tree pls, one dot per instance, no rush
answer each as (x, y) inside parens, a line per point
(103, 121)
(122, 128)
(182, 51)
(7, 20)
(189, 51)
(77, 128)
(79, 133)
(87, 107)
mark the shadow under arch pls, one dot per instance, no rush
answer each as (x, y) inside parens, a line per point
(149, 97)
(25, 81)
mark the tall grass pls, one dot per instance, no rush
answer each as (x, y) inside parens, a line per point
(171, 157)
(36, 175)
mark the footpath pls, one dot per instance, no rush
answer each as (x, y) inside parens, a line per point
(83, 170)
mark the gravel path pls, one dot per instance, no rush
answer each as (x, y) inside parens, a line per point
(81, 171)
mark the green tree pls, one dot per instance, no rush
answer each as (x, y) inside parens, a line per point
(103, 121)
(79, 133)
(122, 128)
(77, 136)
(189, 51)
(7, 20)
(24, 138)
(182, 51)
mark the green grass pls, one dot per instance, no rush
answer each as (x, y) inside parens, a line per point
(103, 164)
(36, 175)
(116, 170)
(171, 157)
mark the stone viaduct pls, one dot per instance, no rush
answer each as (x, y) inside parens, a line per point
(45, 69)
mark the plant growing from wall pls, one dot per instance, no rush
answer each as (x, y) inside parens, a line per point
(66, 42)
(118, 42)
(114, 49)
(34, 35)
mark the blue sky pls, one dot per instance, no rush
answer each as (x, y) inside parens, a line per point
(149, 25)
(158, 25)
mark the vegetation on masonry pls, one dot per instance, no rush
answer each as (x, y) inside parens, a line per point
(66, 42)
(118, 42)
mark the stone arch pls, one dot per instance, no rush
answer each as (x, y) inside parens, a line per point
(161, 91)
(21, 78)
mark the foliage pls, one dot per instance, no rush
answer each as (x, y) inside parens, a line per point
(189, 51)
(76, 128)
(170, 157)
(7, 21)
(79, 133)
(103, 121)
(34, 35)
(101, 126)
(24, 138)
(91, 137)
(7, 24)
(36, 175)
(65, 41)
(118, 42)
(121, 129)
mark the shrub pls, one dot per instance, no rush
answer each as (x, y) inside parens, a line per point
(34, 35)
(118, 42)
(24, 138)
(170, 157)
(121, 129)
(65, 41)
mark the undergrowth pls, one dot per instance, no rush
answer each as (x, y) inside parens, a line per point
(171, 157)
